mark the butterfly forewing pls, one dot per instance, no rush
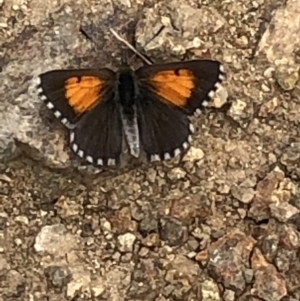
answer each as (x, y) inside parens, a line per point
(188, 85)
(72, 93)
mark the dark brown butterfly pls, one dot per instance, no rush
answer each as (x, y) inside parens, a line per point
(148, 108)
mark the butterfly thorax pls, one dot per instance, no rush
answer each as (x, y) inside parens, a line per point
(127, 89)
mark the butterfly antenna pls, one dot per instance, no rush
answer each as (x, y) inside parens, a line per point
(130, 47)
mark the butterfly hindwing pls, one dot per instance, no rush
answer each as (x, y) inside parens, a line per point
(164, 130)
(188, 85)
(72, 93)
(98, 136)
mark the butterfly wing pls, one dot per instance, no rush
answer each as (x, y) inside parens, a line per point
(72, 93)
(98, 136)
(169, 93)
(164, 130)
(86, 101)
(188, 85)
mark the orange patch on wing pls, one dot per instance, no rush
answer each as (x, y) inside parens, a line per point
(83, 92)
(174, 86)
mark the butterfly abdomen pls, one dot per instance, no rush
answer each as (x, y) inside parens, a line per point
(127, 97)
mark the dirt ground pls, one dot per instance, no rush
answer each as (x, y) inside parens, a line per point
(221, 224)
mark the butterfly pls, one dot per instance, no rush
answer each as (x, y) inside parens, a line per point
(149, 108)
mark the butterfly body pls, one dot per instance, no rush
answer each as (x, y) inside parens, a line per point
(128, 95)
(148, 108)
